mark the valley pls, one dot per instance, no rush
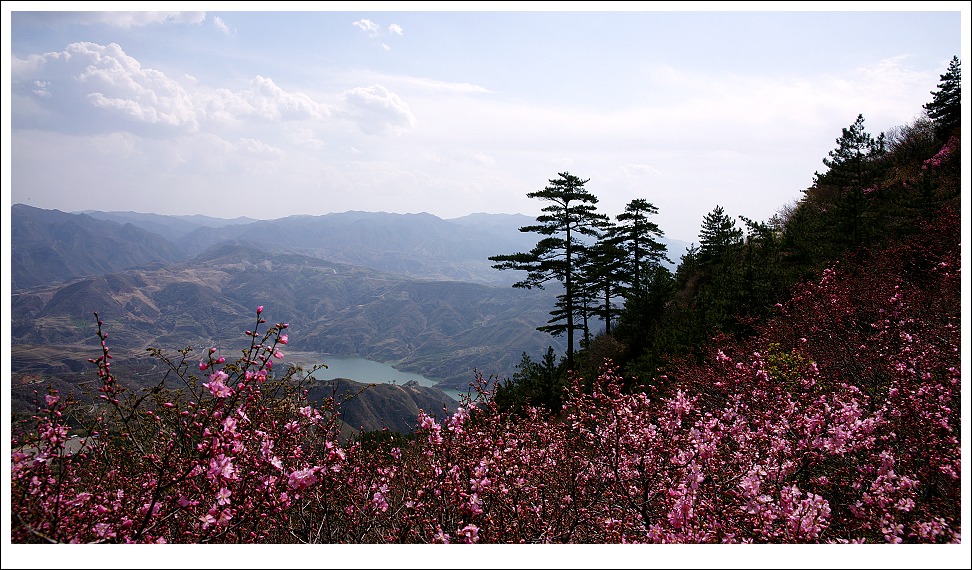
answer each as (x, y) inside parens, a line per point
(445, 330)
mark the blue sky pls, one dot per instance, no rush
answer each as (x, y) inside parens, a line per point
(273, 113)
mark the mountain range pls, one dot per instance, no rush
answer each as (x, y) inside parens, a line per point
(412, 290)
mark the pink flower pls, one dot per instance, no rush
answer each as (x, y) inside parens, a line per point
(222, 466)
(470, 532)
(259, 309)
(302, 479)
(216, 385)
(282, 339)
(207, 520)
(203, 366)
(379, 501)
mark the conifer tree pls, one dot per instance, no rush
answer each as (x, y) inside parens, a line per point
(945, 109)
(570, 214)
(602, 275)
(718, 235)
(853, 170)
(636, 234)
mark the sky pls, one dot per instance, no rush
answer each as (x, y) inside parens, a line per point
(268, 114)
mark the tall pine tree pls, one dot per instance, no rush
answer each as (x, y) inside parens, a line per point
(570, 214)
(945, 109)
(853, 170)
(717, 237)
(637, 235)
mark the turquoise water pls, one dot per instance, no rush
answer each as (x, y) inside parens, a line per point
(366, 371)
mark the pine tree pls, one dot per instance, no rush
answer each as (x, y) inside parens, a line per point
(853, 170)
(636, 235)
(602, 275)
(572, 213)
(945, 108)
(718, 235)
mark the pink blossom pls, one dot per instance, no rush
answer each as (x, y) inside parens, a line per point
(207, 520)
(222, 466)
(302, 479)
(216, 385)
(470, 532)
(223, 497)
(441, 537)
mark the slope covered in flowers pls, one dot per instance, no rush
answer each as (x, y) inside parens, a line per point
(837, 422)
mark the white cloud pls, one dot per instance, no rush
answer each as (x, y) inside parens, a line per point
(367, 26)
(259, 149)
(101, 88)
(305, 137)
(221, 25)
(444, 86)
(385, 46)
(40, 88)
(413, 84)
(271, 102)
(130, 19)
(377, 110)
(89, 75)
(396, 29)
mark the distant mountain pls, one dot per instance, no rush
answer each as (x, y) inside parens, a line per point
(413, 290)
(413, 245)
(49, 246)
(170, 227)
(443, 330)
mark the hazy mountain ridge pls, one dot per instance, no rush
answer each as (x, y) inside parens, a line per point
(52, 246)
(413, 245)
(410, 289)
(171, 227)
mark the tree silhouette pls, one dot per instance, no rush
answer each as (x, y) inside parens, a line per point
(945, 109)
(570, 214)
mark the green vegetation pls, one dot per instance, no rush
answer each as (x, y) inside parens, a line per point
(876, 191)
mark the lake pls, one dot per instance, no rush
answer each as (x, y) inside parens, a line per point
(367, 371)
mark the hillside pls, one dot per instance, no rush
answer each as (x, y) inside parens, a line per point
(372, 407)
(442, 330)
(49, 246)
